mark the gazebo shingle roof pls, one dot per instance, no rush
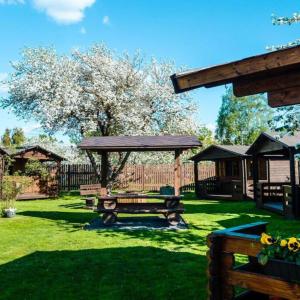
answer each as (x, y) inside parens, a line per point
(139, 143)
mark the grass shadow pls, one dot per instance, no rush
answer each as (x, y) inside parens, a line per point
(111, 273)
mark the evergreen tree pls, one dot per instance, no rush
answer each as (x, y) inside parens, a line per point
(18, 137)
(6, 139)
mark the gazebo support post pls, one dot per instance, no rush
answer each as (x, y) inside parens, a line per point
(104, 172)
(255, 180)
(295, 205)
(177, 172)
(196, 177)
(244, 178)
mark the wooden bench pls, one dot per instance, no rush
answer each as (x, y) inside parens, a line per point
(90, 191)
(224, 275)
(112, 205)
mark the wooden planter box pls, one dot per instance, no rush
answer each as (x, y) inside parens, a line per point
(288, 271)
(277, 280)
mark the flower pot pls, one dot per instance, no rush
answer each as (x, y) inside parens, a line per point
(10, 212)
(289, 271)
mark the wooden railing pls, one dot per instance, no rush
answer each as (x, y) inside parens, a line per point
(224, 275)
(269, 192)
(213, 185)
(208, 186)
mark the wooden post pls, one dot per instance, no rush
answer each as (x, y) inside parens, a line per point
(104, 172)
(58, 176)
(177, 172)
(143, 177)
(244, 178)
(269, 177)
(255, 177)
(295, 201)
(196, 177)
(69, 178)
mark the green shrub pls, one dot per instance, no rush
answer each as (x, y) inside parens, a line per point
(10, 188)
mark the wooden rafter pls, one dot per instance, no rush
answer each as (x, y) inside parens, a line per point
(276, 73)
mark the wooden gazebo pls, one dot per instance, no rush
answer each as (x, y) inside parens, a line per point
(282, 194)
(110, 205)
(177, 144)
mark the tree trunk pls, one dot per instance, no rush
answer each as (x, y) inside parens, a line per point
(94, 165)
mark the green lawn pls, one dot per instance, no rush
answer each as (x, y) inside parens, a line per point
(45, 253)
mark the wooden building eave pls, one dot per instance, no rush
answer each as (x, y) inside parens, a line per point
(276, 73)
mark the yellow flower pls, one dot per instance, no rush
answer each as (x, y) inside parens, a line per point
(283, 243)
(266, 239)
(293, 244)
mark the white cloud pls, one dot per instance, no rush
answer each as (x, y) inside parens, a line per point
(11, 2)
(3, 86)
(106, 20)
(82, 30)
(64, 11)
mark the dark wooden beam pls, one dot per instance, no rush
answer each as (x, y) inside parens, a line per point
(284, 97)
(250, 86)
(255, 177)
(295, 202)
(177, 172)
(196, 178)
(255, 66)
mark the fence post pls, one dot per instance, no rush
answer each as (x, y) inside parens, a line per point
(69, 178)
(143, 178)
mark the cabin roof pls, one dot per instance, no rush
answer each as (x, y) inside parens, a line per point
(273, 142)
(216, 152)
(139, 143)
(23, 149)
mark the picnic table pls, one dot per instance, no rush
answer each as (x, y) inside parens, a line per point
(111, 205)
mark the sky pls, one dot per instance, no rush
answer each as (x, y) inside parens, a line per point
(192, 33)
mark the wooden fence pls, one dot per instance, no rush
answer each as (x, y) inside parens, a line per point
(135, 177)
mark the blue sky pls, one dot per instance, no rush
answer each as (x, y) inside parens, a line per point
(193, 33)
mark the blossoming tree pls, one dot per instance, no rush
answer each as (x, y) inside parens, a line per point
(97, 92)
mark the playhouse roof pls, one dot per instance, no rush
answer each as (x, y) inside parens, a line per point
(20, 151)
(216, 152)
(273, 142)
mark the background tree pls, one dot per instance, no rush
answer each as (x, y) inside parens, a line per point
(206, 136)
(6, 139)
(18, 137)
(98, 92)
(286, 119)
(242, 119)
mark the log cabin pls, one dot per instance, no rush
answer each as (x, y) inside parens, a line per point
(39, 188)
